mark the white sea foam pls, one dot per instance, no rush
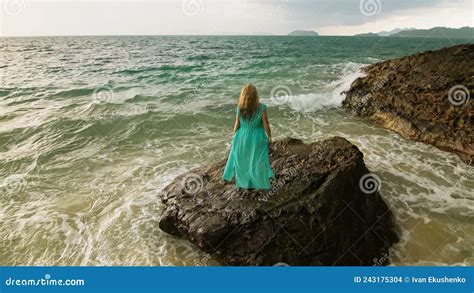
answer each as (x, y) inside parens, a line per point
(331, 96)
(351, 72)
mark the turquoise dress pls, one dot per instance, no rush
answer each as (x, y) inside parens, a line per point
(248, 158)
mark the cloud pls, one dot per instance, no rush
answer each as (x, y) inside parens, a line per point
(362, 14)
(342, 12)
(446, 13)
(86, 17)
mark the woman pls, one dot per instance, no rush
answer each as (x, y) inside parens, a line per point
(248, 157)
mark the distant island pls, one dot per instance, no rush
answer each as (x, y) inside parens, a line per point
(303, 33)
(436, 32)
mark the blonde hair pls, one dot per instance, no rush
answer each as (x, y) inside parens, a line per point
(248, 101)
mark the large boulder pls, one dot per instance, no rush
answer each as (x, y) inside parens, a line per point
(425, 97)
(324, 209)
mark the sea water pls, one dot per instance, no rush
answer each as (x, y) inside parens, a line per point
(93, 128)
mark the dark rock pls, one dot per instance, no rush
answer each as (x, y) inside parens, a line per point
(315, 214)
(426, 97)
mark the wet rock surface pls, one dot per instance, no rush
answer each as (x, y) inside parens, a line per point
(324, 209)
(426, 97)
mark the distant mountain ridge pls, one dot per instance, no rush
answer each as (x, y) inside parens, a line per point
(436, 32)
(394, 31)
(385, 33)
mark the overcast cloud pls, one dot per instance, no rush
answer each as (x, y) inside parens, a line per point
(191, 17)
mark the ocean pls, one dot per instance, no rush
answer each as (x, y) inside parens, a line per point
(93, 128)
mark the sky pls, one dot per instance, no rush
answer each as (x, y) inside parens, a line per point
(208, 17)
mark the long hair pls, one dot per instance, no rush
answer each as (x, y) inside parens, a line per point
(248, 101)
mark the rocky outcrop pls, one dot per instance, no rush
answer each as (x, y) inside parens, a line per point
(426, 97)
(324, 209)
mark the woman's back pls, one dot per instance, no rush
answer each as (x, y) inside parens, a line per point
(255, 120)
(248, 158)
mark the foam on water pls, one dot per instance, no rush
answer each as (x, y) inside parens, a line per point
(330, 96)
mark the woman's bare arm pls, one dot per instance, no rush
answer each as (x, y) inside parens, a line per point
(237, 123)
(266, 125)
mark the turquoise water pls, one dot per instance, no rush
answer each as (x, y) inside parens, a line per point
(92, 128)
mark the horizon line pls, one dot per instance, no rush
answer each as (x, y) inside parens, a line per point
(206, 35)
